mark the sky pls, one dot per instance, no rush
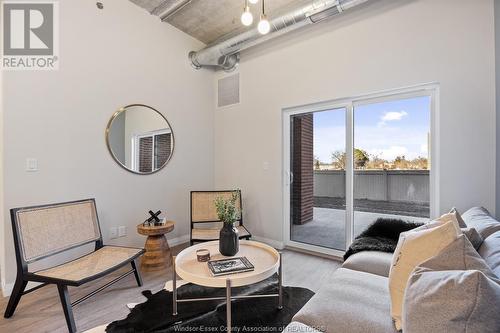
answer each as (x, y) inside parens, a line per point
(387, 129)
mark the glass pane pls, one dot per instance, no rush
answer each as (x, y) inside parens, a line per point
(163, 149)
(392, 161)
(145, 154)
(318, 189)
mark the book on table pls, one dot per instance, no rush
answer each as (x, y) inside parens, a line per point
(230, 266)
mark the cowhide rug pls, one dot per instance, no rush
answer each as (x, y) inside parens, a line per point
(256, 314)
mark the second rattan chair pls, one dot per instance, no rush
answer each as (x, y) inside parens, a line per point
(205, 224)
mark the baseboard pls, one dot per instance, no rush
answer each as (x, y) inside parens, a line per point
(274, 243)
(178, 240)
(7, 287)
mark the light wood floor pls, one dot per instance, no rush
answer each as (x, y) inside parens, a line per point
(41, 311)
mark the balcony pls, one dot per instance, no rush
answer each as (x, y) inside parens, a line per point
(401, 194)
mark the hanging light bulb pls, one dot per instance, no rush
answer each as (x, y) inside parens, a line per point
(264, 26)
(253, 2)
(246, 17)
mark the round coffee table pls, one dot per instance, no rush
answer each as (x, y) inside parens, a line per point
(265, 259)
(157, 255)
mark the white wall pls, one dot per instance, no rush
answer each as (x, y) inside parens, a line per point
(2, 222)
(386, 45)
(497, 90)
(110, 58)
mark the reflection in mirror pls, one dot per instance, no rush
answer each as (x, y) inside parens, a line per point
(140, 139)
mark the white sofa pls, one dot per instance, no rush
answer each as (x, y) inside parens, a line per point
(355, 299)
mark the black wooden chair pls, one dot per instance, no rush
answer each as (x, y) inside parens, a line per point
(43, 231)
(205, 224)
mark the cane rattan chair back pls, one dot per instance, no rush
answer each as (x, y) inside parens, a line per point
(47, 230)
(205, 224)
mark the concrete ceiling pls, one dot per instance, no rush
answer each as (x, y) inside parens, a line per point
(208, 20)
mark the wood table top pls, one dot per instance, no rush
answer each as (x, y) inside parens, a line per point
(156, 230)
(264, 258)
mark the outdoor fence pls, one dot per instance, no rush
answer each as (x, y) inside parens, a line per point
(383, 185)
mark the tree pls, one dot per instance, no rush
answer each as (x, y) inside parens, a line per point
(360, 158)
(339, 159)
(316, 164)
(377, 163)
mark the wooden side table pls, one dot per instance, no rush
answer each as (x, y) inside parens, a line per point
(157, 256)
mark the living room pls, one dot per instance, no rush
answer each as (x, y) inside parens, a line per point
(310, 127)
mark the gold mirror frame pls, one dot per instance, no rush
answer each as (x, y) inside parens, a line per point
(108, 127)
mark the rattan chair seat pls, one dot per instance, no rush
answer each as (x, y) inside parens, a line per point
(106, 258)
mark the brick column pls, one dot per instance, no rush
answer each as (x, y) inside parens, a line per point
(302, 168)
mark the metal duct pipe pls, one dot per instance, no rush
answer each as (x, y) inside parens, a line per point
(168, 8)
(225, 53)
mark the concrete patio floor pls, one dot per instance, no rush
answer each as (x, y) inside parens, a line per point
(327, 228)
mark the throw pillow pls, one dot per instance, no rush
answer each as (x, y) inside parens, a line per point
(471, 233)
(473, 236)
(459, 218)
(445, 218)
(454, 291)
(413, 248)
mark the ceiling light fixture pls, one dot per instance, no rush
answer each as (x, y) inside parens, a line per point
(253, 2)
(246, 17)
(264, 26)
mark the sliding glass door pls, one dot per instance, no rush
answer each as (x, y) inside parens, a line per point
(391, 161)
(351, 162)
(317, 195)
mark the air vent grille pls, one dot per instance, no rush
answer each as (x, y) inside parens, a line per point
(228, 90)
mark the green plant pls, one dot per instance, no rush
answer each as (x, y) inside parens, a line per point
(227, 210)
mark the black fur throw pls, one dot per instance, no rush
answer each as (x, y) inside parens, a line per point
(382, 235)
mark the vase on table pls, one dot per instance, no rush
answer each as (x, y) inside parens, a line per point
(229, 241)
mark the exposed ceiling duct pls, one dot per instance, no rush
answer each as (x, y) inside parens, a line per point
(169, 8)
(225, 53)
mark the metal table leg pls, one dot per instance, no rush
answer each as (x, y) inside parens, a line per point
(174, 288)
(280, 283)
(228, 304)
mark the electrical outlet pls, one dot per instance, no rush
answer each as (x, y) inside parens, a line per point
(113, 232)
(31, 164)
(122, 231)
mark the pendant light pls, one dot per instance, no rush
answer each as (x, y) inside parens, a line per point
(264, 26)
(246, 17)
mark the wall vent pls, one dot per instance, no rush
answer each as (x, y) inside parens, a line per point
(228, 90)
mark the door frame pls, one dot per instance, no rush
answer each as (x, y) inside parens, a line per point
(430, 89)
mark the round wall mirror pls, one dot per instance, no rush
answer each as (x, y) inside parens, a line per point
(140, 139)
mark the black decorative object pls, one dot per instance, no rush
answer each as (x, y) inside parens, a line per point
(229, 241)
(250, 315)
(229, 212)
(153, 220)
(382, 235)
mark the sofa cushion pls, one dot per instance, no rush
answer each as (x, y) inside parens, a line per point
(479, 218)
(296, 327)
(490, 252)
(454, 291)
(413, 248)
(350, 301)
(374, 262)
